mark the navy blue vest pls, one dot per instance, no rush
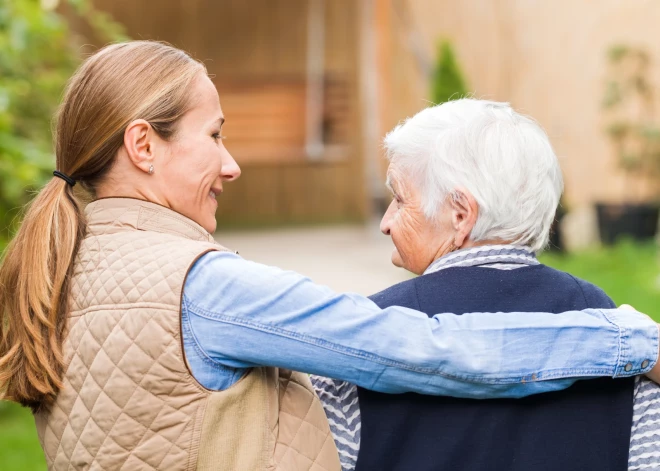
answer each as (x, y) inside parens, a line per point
(584, 428)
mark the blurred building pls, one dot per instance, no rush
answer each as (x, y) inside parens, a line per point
(549, 60)
(310, 87)
(297, 88)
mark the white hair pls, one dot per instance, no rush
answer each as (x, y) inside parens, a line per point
(502, 158)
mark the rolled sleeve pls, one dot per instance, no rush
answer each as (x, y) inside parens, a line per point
(638, 342)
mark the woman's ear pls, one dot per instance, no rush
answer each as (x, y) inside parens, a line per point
(464, 215)
(138, 142)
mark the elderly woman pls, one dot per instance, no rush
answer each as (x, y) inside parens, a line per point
(139, 343)
(475, 186)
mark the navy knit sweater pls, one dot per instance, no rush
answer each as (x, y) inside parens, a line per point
(584, 428)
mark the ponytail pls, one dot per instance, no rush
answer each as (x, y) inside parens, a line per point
(34, 294)
(120, 83)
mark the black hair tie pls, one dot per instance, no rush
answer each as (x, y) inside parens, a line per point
(65, 177)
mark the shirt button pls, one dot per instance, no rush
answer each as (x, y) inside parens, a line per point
(645, 363)
(628, 367)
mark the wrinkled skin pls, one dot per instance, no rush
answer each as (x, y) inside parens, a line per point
(419, 241)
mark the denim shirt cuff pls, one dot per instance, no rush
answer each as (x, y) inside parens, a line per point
(638, 342)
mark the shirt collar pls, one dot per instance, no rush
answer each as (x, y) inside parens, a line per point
(484, 255)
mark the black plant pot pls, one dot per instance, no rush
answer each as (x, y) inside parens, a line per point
(637, 221)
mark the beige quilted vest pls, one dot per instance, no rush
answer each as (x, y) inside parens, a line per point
(129, 401)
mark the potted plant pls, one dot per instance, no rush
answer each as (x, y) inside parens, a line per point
(633, 129)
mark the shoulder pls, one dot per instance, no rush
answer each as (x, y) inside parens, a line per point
(210, 262)
(224, 265)
(402, 294)
(594, 296)
(220, 275)
(225, 280)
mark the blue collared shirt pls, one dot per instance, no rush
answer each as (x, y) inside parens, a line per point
(238, 314)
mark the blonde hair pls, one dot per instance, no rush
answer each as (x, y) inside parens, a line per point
(118, 84)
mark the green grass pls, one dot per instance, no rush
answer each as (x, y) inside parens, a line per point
(628, 273)
(19, 446)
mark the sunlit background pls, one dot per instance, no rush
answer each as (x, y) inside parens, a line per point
(310, 87)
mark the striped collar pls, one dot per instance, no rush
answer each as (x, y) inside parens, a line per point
(496, 256)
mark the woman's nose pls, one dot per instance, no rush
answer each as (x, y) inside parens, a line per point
(230, 169)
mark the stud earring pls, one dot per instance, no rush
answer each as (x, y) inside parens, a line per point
(151, 169)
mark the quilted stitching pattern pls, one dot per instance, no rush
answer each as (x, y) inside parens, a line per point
(128, 401)
(303, 438)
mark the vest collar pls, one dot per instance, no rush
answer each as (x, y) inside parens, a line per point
(112, 215)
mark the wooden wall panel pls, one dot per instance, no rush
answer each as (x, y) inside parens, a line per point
(291, 194)
(548, 59)
(234, 38)
(263, 40)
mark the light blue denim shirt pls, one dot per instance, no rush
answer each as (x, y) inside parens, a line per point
(238, 314)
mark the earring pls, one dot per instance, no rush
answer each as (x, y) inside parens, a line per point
(151, 169)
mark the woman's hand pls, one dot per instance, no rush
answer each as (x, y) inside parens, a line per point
(654, 374)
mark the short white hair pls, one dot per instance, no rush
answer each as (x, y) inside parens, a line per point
(504, 159)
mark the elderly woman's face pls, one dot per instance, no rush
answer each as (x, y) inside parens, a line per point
(197, 163)
(417, 241)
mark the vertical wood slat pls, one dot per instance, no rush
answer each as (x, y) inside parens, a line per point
(246, 38)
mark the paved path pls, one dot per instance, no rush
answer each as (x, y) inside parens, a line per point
(346, 258)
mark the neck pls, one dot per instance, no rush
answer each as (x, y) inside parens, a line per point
(128, 191)
(468, 244)
(123, 180)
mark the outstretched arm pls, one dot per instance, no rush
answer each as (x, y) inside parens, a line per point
(245, 314)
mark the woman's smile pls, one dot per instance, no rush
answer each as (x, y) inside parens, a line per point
(214, 192)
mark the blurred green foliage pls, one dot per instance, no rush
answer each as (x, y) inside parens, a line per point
(630, 102)
(38, 53)
(448, 82)
(19, 445)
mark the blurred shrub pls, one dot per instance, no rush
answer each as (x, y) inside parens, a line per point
(38, 54)
(448, 82)
(633, 125)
